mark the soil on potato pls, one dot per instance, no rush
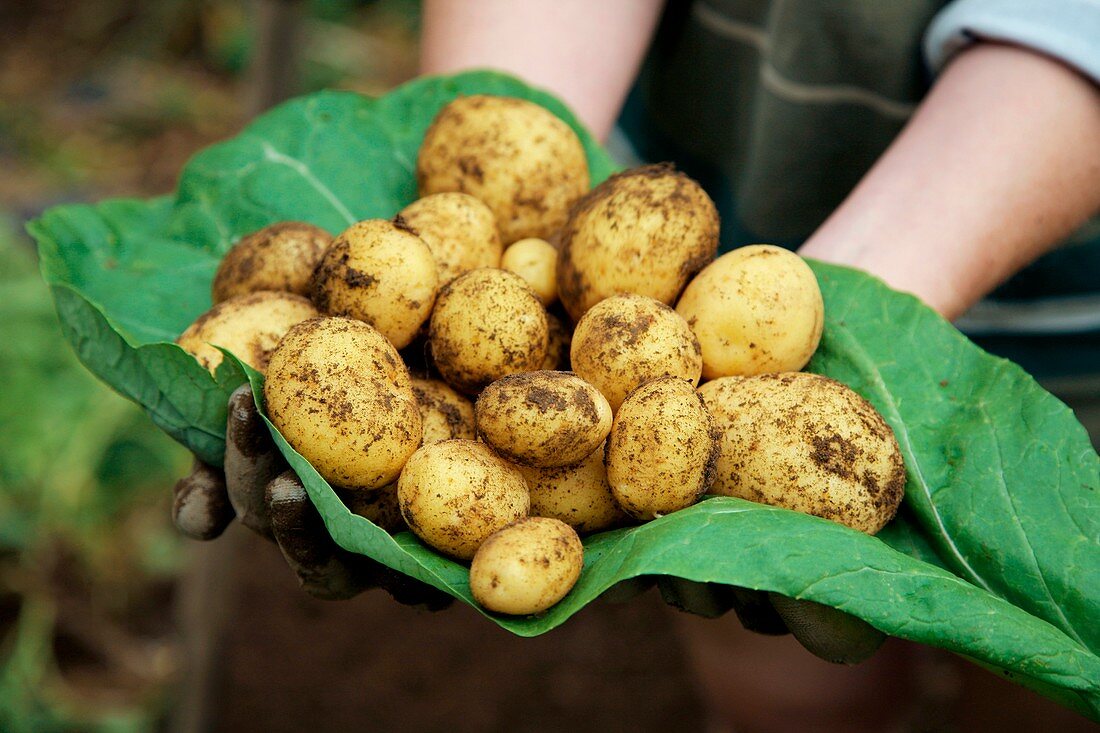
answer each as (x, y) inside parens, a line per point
(292, 664)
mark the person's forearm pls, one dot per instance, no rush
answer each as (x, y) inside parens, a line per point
(999, 164)
(585, 52)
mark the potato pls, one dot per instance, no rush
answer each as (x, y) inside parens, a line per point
(527, 165)
(381, 273)
(456, 493)
(248, 325)
(756, 310)
(280, 257)
(557, 352)
(645, 230)
(379, 506)
(627, 340)
(577, 495)
(662, 449)
(460, 231)
(807, 443)
(487, 324)
(338, 392)
(544, 419)
(526, 567)
(445, 413)
(536, 261)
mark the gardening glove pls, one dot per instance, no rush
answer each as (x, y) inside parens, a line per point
(258, 487)
(824, 631)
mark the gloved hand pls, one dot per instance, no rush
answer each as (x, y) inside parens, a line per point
(258, 487)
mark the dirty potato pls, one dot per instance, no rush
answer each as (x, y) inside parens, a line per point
(577, 495)
(544, 419)
(661, 453)
(379, 506)
(487, 324)
(627, 340)
(381, 273)
(445, 413)
(807, 443)
(647, 230)
(536, 261)
(527, 165)
(756, 310)
(456, 493)
(280, 257)
(248, 325)
(338, 392)
(460, 231)
(526, 567)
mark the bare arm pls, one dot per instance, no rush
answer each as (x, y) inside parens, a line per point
(1000, 163)
(586, 52)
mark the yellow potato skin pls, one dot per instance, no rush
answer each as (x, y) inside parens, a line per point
(661, 453)
(248, 325)
(536, 261)
(577, 495)
(381, 273)
(445, 413)
(526, 567)
(280, 257)
(626, 340)
(807, 443)
(755, 310)
(338, 392)
(544, 419)
(646, 230)
(456, 493)
(527, 165)
(487, 324)
(460, 231)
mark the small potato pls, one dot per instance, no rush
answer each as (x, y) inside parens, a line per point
(280, 257)
(381, 273)
(456, 493)
(756, 310)
(544, 419)
(487, 324)
(445, 413)
(807, 443)
(557, 352)
(527, 567)
(646, 230)
(249, 326)
(338, 392)
(527, 165)
(661, 453)
(577, 495)
(627, 340)
(460, 231)
(536, 261)
(379, 506)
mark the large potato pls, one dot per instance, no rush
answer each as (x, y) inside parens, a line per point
(661, 453)
(544, 419)
(526, 567)
(487, 324)
(445, 413)
(528, 166)
(456, 493)
(381, 273)
(756, 310)
(646, 231)
(248, 325)
(460, 231)
(807, 443)
(338, 392)
(280, 257)
(627, 340)
(577, 495)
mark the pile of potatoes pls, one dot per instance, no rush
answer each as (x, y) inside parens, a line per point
(514, 360)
